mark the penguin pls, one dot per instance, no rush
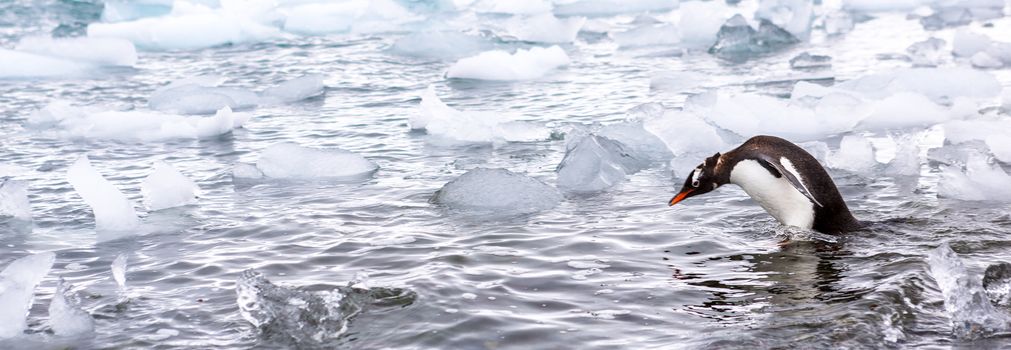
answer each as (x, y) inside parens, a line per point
(783, 178)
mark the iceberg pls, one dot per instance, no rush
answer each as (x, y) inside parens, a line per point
(66, 318)
(546, 28)
(95, 51)
(17, 290)
(500, 65)
(14, 199)
(594, 163)
(113, 211)
(441, 120)
(498, 191)
(972, 315)
(68, 121)
(287, 160)
(166, 188)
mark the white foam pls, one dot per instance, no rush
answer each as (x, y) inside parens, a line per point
(113, 211)
(97, 51)
(17, 289)
(290, 161)
(497, 191)
(443, 121)
(166, 187)
(68, 121)
(14, 199)
(66, 318)
(546, 28)
(501, 65)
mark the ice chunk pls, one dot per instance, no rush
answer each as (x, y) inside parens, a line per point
(66, 317)
(1000, 147)
(22, 65)
(200, 95)
(676, 81)
(594, 163)
(737, 41)
(113, 211)
(882, 5)
(984, 60)
(972, 315)
(166, 187)
(294, 90)
(855, 154)
(685, 134)
(497, 190)
(839, 22)
(97, 51)
(89, 122)
(126, 10)
(939, 84)
(287, 160)
(119, 270)
(14, 199)
(374, 16)
(947, 17)
(246, 171)
(546, 28)
(186, 31)
(907, 158)
(904, 110)
(981, 181)
(500, 65)
(997, 283)
(443, 121)
(700, 21)
(797, 120)
(808, 61)
(794, 16)
(438, 44)
(17, 289)
(927, 53)
(612, 7)
(637, 140)
(648, 34)
(967, 43)
(514, 7)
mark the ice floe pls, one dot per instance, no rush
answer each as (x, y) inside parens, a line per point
(611, 7)
(194, 27)
(648, 34)
(501, 65)
(17, 290)
(514, 7)
(497, 190)
(166, 188)
(21, 65)
(972, 315)
(928, 53)
(546, 28)
(64, 120)
(200, 95)
(445, 122)
(14, 199)
(372, 16)
(808, 61)
(440, 44)
(287, 160)
(113, 211)
(66, 318)
(980, 181)
(294, 90)
(96, 51)
(594, 163)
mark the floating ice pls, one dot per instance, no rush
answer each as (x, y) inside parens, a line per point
(500, 65)
(807, 61)
(967, 43)
(991, 131)
(290, 161)
(984, 60)
(946, 17)
(14, 199)
(546, 28)
(497, 190)
(514, 7)
(200, 28)
(66, 318)
(907, 158)
(21, 65)
(839, 22)
(126, 10)
(612, 7)
(855, 154)
(737, 41)
(305, 318)
(594, 163)
(97, 51)
(981, 181)
(700, 21)
(119, 270)
(17, 289)
(637, 140)
(89, 122)
(675, 81)
(997, 283)
(441, 120)
(927, 53)
(972, 314)
(904, 110)
(166, 187)
(294, 90)
(794, 16)
(939, 84)
(200, 95)
(246, 171)
(882, 5)
(648, 34)
(438, 44)
(374, 16)
(113, 211)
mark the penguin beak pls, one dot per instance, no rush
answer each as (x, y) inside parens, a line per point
(680, 197)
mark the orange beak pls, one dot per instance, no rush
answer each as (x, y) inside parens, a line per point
(680, 197)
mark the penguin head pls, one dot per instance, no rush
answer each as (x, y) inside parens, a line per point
(702, 179)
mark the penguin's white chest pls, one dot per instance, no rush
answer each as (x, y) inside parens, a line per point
(775, 194)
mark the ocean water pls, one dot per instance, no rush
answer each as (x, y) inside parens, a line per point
(616, 269)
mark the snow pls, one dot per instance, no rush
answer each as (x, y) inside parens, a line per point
(96, 51)
(113, 211)
(166, 187)
(980, 181)
(501, 65)
(446, 44)
(14, 199)
(17, 289)
(445, 122)
(68, 121)
(66, 318)
(855, 154)
(119, 270)
(497, 190)
(546, 28)
(290, 161)
(594, 163)
(612, 7)
(294, 90)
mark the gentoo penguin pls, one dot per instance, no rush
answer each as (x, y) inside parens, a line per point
(783, 178)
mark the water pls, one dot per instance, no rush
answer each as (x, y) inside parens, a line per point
(606, 270)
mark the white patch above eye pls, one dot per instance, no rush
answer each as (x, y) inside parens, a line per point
(696, 175)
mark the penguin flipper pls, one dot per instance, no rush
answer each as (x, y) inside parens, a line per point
(789, 172)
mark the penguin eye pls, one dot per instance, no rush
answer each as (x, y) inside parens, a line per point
(695, 183)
